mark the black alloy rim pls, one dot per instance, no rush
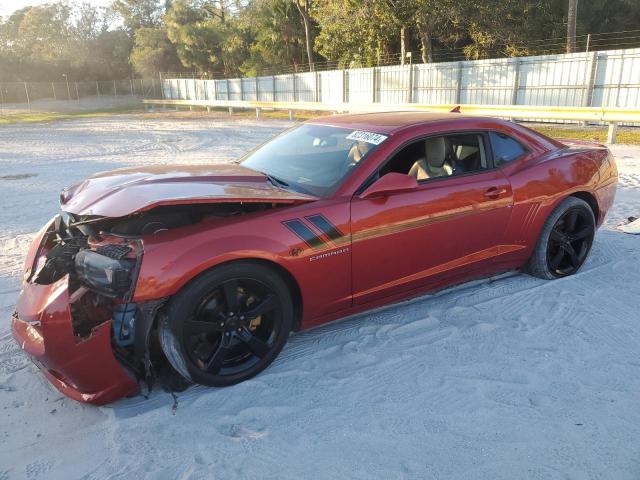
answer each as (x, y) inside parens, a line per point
(233, 327)
(569, 242)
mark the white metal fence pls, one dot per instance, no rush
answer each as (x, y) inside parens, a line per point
(589, 79)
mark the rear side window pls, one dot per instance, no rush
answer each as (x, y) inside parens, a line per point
(505, 149)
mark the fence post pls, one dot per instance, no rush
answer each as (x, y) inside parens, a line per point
(229, 94)
(592, 65)
(77, 94)
(97, 88)
(516, 82)
(345, 85)
(411, 80)
(53, 88)
(295, 87)
(374, 83)
(161, 86)
(273, 88)
(115, 89)
(257, 89)
(26, 89)
(316, 93)
(459, 82)
(612, 132)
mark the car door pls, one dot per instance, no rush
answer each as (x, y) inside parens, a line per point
(446, 227)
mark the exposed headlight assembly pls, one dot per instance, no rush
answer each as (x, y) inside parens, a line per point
(109, 276)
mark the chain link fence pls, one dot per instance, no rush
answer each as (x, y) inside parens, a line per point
(29, 92)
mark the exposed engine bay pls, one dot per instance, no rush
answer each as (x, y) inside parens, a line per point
(102, 257)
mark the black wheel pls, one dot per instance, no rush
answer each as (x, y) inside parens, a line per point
(565, 240)
(227, 325)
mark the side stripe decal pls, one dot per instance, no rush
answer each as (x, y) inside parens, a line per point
(325, 226)
(304, 232)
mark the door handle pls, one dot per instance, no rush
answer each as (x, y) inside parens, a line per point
(495, 192)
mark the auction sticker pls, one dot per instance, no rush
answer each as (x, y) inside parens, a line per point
(368, 137)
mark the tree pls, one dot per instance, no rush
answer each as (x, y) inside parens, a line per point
(601, 16)
(276, 36)
(304, 7)
(354, 32)
(204, 38)
(510, 28)
(137, 14)
(41, 43)
(107, 57)
(572, 19)
(153, 52)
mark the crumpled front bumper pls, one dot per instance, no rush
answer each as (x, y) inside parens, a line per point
(84, 369)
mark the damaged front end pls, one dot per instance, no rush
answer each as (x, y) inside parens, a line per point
(75, 316)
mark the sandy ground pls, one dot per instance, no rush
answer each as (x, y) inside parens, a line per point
(510, 378)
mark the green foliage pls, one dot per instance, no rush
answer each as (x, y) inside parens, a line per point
(355, 32)
(601, 16)
(255, 37)
(43, 42)
(277, 33)
(137, 14)
(153, 52)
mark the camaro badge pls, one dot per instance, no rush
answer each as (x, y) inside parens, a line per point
(322, 256)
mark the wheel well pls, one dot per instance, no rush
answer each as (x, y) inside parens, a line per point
(294, 288)
(591, 200)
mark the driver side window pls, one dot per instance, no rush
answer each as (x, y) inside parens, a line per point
(440, 156)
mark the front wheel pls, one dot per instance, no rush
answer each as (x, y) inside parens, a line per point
(227, 325)
(565, 241)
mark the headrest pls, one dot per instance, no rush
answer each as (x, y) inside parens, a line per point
(435, 151)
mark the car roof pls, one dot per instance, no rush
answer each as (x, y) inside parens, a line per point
(387, 122)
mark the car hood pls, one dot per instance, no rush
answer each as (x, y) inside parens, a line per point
(121, 192)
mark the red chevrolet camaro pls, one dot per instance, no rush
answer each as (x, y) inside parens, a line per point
(201, 272)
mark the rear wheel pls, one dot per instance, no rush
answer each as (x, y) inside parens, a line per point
(227, 325)
(565, 240)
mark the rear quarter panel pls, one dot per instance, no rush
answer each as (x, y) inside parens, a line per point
(540, 184)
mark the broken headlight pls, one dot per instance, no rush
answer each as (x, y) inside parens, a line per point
(109, 276)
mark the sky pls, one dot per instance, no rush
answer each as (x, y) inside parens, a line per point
(9, 6)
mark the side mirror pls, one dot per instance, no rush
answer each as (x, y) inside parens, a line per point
(390, 183)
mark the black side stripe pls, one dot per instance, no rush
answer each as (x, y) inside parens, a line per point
(325, 226)
(304, 232)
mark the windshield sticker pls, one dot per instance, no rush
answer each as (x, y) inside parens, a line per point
(369, 137)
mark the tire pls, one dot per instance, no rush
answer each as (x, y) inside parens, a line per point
(565, 241)
(208, 343)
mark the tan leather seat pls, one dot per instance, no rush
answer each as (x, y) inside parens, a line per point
(357, 151)
(434, 164)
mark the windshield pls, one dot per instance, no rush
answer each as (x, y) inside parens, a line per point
(312, 158)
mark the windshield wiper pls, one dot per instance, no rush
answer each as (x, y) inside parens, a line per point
(275, 180)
